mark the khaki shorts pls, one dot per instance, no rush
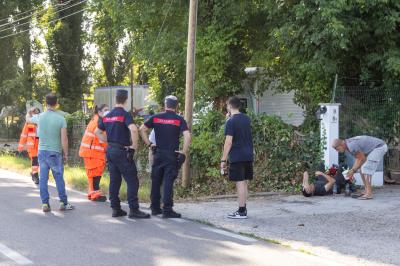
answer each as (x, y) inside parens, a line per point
(373, 160)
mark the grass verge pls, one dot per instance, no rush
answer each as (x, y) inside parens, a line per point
(74, 176)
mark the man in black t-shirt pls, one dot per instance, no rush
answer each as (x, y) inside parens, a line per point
(239, 147)
(324, 181)
(122, 138)
(320, 187)
(168, 127)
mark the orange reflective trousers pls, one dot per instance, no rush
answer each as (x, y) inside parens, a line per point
(92, 150)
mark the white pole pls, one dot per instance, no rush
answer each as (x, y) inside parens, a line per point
(329, 132)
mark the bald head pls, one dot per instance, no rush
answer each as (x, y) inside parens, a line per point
(339, 145)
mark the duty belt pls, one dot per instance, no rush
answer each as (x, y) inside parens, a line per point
(119, 146)
(158, 150)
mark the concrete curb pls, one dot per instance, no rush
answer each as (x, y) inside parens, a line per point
(233, 196)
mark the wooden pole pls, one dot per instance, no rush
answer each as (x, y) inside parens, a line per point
(131, 80)
(190, 74)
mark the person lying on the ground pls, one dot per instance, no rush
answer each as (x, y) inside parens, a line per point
(320, 187)
(335, 172)
(368, 152)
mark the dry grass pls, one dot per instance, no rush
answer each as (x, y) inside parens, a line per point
(75, 176)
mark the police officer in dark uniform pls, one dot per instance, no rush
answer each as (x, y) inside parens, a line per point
(168, 127)
(122, 138)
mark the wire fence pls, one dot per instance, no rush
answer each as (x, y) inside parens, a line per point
(372, 111)
(369, 111)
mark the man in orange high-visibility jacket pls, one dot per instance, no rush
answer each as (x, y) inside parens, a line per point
(30, 140)
(93, 152)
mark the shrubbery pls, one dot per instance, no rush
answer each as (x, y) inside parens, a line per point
(279, 152)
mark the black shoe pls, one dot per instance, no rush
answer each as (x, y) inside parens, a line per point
(156, 211)
(100, 199)
(118, 213)
(35, 178)
(238, 215)
(136, 213)
(171, 214)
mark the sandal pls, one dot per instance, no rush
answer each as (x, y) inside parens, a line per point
(356, 196)
(365, 198)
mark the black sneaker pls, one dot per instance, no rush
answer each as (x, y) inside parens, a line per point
(171, 214)
(238, 215)
(156, 211)
(118, 213)
(35, 178)
(100, 199)
(136, 213)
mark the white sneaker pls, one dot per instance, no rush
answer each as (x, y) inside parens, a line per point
(66, 207)
(238, 215)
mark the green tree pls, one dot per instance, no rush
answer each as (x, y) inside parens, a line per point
(8, 57)
(108, 34)
(157, 33)
(65, 46)
(17, 82)
(308, 42)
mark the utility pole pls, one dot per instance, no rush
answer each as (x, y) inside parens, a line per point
(190, 74)
(131, 79)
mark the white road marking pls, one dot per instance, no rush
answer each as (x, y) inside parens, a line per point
(229, 234)
(177, 220)
(15, 256)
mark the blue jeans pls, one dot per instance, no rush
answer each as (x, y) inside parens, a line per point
(54, 161)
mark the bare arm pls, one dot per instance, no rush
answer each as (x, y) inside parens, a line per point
(100, 135)
(360, 160)
(227, 148)
(327, 177)
(330, 179)
(134, 136)
(306, 179)
(143, 133)
(64, 142)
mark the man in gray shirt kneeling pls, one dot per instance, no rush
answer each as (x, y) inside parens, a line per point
(369, 152)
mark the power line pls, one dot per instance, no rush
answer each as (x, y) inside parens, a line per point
(26, 17)
(32, 10)
(28, 22)
(162, 25)
(52, 21)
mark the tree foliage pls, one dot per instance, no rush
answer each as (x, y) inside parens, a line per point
(308, 42)
(17, 84)
(65, 46)
(115, 54)
(299, 45)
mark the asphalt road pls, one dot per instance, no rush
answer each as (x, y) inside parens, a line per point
(89, 235)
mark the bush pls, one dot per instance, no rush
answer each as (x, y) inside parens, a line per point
(279, 148)
(279, 153)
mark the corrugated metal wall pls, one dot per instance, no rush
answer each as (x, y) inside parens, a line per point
(282, 105)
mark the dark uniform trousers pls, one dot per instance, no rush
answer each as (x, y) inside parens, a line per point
(164, 172)
(119, 165)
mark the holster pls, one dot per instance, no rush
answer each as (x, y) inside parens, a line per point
(130, 153)
(181, 158)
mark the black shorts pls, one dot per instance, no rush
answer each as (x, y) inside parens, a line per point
(241, 171)
(320, 189)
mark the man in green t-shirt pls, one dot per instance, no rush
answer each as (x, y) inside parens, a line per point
(53, 141)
